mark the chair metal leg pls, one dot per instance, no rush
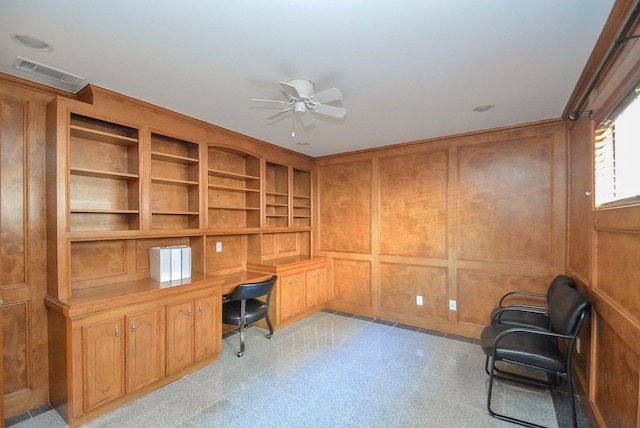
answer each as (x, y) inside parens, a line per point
(496, 415)
(243, 326)
(266, 318)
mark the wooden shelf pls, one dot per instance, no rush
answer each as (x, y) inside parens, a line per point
(101, 136)
(234, 208)
(161, 180)
(166, 157)
(233, 175)
(102, 174)
(233, 189)
(101, 211)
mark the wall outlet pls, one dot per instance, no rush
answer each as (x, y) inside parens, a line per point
(419, 300)
(452, 305)
(218, 247)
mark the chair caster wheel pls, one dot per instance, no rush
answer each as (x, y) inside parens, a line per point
(240, 354)
(268, 336)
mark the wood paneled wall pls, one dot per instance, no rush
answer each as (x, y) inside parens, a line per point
(465, 218)
(603, 245)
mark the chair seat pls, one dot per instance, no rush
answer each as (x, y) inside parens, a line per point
(527, 348)
(515, 318)
(255, 310)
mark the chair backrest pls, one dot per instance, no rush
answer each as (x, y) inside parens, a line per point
(558, 282)
(253, 290)
(566, 310)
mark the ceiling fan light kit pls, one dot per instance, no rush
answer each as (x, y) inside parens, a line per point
(301, 96)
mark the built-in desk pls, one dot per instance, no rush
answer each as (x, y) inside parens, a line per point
(301, 286)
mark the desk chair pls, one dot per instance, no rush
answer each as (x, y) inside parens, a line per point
(243, 307)
(536, 349)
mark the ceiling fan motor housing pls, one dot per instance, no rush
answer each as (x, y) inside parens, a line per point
(305, 88)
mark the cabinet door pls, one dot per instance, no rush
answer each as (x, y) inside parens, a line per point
(103, 362)
(291, 296)
(207, 327)
(179, 336)
(144, 361)
(315, 288)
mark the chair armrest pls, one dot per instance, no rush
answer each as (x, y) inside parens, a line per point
(520, 293)
(514, 330)
(518, 308)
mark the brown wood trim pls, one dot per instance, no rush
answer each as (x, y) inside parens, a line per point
(614, 24)
(27, 84)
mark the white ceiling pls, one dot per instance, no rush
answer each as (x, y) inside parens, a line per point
(408, 69)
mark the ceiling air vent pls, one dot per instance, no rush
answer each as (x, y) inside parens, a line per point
(66, 81)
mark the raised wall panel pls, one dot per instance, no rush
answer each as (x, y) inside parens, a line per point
(617, 269)
(351, 283)
(345, 207)
(479, 292)
(96, 259)
(413, 210)
(401, 283)
(13, 117)
(15, 338)
(616, 390)
(230, 259)
(505, 204)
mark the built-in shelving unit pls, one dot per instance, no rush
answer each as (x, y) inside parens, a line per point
(233, 189)
(175, 183)
(276, 195)
(301, 198)
(104, 180)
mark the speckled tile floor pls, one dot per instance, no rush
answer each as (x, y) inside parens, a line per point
(332, 370)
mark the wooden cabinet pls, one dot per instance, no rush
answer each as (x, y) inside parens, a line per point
(300, 290)
(315, 288)
(193, 332)
(103, 362)
(179, 336)
(121, 355)
(144, 345)
(207, 329)
(123, 179)
(291, 297)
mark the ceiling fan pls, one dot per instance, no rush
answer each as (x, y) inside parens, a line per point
(301, 97)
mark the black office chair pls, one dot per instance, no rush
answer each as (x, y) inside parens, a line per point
(243, 307)
(536, 349)
(518, 314)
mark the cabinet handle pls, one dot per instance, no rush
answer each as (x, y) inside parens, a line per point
(117, 332)
(133, 328)
(290, 281)
(296, 281)
(313, 275)
(200, 308)
(189, 312)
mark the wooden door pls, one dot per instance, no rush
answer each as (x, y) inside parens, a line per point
(23, 275)
(299, 294)
(315, 288)
(103, 362)
(285, 298)
(145, 346)
(179, 336)
(207, 333)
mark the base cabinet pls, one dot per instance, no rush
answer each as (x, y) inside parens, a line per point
(144, 348)
(108, 356)
(300, 290)
(103, 362)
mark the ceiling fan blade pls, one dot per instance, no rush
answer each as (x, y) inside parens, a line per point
(327, 96)
(270, 101)
(337, 112)
(290, 90)
(280, 113)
